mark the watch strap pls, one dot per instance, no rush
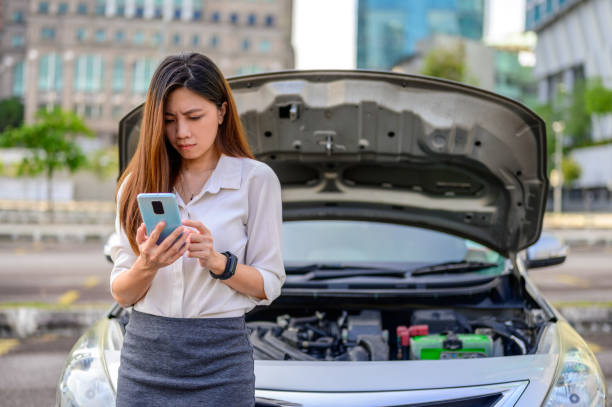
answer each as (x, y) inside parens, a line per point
(230, 267)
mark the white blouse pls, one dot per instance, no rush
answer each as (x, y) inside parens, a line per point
(241, 206)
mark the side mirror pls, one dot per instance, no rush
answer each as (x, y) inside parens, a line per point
(547, 251)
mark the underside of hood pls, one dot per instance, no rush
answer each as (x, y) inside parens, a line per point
(401, 148)
(394, 147)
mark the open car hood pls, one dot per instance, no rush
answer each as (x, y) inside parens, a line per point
(394, 147)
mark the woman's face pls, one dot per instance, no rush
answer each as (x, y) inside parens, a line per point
(191, 123)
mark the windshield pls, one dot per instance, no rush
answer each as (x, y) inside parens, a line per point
(338, 241)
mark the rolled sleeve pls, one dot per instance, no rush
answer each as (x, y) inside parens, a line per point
(264, 230)
(119, 246)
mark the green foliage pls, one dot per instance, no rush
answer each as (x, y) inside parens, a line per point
(447, 63)
(574, 109)
(598, 98)
(50, 142)
(11, 113)
(104, 162)
(570, 169)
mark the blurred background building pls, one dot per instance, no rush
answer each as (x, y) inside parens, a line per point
(96, 57)
(389, 30)
(574, 47)
(574, 42)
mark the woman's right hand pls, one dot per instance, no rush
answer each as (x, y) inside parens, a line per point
(153, 257)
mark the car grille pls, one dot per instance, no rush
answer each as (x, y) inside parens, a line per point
(496, 395)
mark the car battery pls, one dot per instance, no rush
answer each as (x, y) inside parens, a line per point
(450, 346)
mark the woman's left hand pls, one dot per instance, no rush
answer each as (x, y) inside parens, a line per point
(200, 246)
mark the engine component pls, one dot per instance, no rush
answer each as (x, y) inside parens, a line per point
(352, 337)
(438, 321)
(450, 346)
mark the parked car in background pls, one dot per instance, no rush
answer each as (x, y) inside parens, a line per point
(409, 207)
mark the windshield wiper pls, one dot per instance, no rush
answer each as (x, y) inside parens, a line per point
(346, 269)
(451, 267)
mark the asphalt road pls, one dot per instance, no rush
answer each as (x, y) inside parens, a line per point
(73, 274)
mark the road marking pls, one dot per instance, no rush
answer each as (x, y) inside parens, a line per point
(20, 251)
(91, 282)
(573, 281)
(7, 344)
(595, 348)
(68, 297)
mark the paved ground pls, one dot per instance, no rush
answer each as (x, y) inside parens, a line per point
(54, 273)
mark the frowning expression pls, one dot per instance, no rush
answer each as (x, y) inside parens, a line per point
(191, 122)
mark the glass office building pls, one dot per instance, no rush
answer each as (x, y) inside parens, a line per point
(388, 30)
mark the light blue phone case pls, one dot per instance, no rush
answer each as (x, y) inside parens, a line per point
(170, 212)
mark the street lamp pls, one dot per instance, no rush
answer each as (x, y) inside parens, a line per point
(556, 175)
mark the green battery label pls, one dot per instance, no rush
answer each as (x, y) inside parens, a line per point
(431, 347)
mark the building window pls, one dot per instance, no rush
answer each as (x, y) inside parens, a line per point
(195, 40)
(246, 44)
(177, 9)
(139, 8)
(197, 15)
(47, 33)
(43, 7)
(537, 14)
(50, 76)
(138, 38)
(264, 46)
(216, 17)
(158, 9)
(62, 9)
(81, 34)
(100, 35)
(119, 36)
(176, 39)
(82, 9)
(18, 16)
(18, 86)
(214, 41)
(89, 73)
(269, 21)
(100, 7)
(251, 19)
(142, 71)
(156, 39)
(17, 41)
(118, 75)
(120, 8)
(234, 18)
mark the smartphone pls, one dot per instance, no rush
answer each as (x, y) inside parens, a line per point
(155, 207)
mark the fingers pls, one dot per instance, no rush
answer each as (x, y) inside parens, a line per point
(152, 241)
(169, 240)
(197, 225)
(141, 234)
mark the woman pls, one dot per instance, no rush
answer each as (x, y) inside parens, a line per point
(186, 343)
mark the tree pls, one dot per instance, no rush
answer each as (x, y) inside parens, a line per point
(11, 113)
(448, 63)
(51, 143)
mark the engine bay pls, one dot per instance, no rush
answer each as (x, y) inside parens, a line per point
(380, 335)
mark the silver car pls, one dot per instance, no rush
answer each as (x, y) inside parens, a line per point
(408, 205)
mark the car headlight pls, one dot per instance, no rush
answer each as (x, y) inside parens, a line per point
(84, 381)
(578, 380)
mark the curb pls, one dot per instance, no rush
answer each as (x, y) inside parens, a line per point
(22, 322)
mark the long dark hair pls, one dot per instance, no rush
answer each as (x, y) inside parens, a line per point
(156, 164)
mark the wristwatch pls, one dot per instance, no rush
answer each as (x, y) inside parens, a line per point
(230, 267)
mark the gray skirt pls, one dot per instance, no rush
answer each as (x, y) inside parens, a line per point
(186, 362)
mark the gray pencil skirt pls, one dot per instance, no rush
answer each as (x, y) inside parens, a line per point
(186, 362)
